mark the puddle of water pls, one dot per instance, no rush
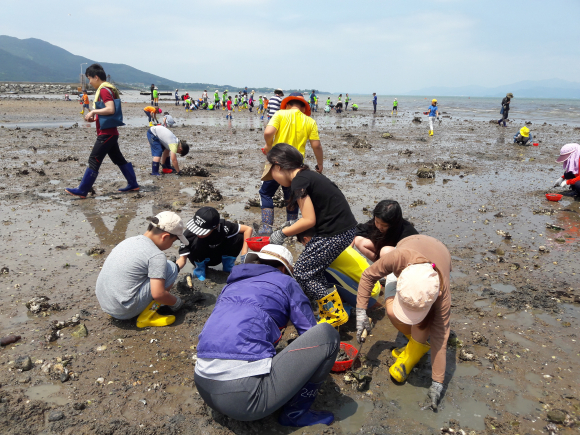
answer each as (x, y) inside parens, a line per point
(44, 393)
(548, 318)
(521, 406)
(189, 190)
(352, 415)
(482, 303)
(519, 339)
(532, 377)
(504, 288)
(8, 322)
(502, 382)
(522, 318)
(465, 369)
(45, 124)
(457, 274)
(54, 181)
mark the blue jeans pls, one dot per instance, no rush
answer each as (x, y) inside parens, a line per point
(148, 115)
(143, 297)
(156, 147)
(267, 192)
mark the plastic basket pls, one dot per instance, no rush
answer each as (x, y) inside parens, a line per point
(536, 144)
(553, 197)
(257, 243)
(342, 366)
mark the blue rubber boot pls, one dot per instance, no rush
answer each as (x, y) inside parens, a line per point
(199, 271)
(228, 263)
(86, 184)
(129, 174)
(297, 411)
(267, 222)
(155, 169)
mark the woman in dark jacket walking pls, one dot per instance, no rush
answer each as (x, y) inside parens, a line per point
(505, 108)
(238, 372)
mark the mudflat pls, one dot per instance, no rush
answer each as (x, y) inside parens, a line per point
(512, 360)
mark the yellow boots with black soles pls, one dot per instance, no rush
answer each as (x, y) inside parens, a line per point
(149, 317)
(408, 359)
(331, 310)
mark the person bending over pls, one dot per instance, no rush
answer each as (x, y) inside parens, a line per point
(238, 372)
(570, 159)
(164, 147)
(213, 241)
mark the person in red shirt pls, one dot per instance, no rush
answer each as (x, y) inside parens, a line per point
(230, 108)
(107, 142)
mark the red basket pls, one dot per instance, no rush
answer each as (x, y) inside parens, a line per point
(536, 144)
(342, 366)
(553, 196)
(257, 243)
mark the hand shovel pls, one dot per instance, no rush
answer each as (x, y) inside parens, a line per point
(364, 336)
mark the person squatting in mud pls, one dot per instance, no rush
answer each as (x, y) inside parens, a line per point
(570, 159)
(524, 136)
(419, 307)
(107, 143)
(213, 241)
(137, 277)
(164, 148)
(290, 125)
(324, 207)
(238, 372)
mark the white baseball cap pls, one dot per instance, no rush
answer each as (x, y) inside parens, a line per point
(274, 252)
(170, 222)
(417, 290)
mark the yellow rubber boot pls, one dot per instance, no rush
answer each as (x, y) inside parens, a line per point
(331, 310)
(408, 359)
(400, 350)
(149, 317)
(430, 132)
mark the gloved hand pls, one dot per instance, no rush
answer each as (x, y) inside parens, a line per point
(178, 304)
(362, 323)
(558, 182)
(564, 183)
(243, 258)
(435, 394)
(277, 237)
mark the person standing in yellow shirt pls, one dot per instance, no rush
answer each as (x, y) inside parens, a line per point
(291, 125)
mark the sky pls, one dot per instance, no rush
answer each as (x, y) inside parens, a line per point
(336, 46)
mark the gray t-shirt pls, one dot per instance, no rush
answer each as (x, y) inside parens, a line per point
(129, 265)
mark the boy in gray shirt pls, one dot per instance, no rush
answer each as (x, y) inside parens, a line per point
(136, 277)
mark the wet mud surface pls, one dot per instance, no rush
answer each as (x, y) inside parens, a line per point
(512, 363)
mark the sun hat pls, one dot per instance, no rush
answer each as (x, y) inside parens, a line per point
(525, 131)
(266, 174)
(204, 220)
(279, 91)
(417, 290)
(509, 95)
(170, 222)
(565, 152)
(159, 110)
(274, 252)
(433, 100)
(296, 96)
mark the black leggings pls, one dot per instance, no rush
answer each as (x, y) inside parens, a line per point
(106, 145)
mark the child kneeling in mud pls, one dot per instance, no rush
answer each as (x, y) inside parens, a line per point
(136, 277)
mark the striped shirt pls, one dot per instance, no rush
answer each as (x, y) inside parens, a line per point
(274, 105)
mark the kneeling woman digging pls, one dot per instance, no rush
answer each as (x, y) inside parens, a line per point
(324, 207)
(420, 308)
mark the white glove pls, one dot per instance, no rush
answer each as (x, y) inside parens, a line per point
(558, 182)
(277, 237)
(177, 305)
(362, 323)
(564, 183)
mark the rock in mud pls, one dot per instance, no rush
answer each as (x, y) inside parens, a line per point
(206, 192)
(467, 355)
(417, 120)
(4, 271)
(95, 250)
(9, 339)
(418, 202)
(343, 356)
(386, 135)
(407, 153)
(479, 338)
(55, 416)
(362, 143)
(528, 296)
(80, 331)
(23, 363)
(447, 165)
(194, 171)
(68, 159)
(559, 417)
(425, 173)
(38, 304)
(64, 376)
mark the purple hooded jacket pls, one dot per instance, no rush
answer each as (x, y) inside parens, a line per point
(254, 306)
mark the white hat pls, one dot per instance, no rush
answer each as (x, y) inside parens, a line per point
(274, 252)
(417, 290)
(170, 222)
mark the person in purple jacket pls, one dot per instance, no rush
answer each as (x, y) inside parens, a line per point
(237, 372)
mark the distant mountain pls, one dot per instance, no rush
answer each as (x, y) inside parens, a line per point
(552, 88)
(35, 60)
